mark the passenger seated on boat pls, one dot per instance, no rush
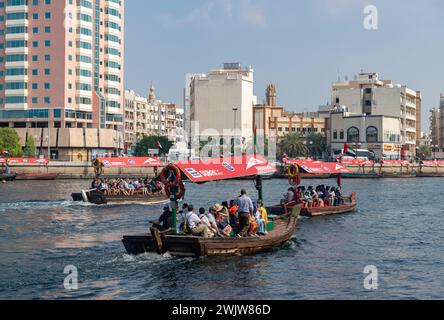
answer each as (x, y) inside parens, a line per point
(182, 218)
(262, 225)
(288, 197)
(222, 220)
(204, 218)
(339, 199)
(234, 219)
(254, 227)
(264, 213)
(299, 196)
(96, 183)
(165, 221)
(195, 225)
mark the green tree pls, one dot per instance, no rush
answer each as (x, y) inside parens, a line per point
(424, 152)
(10, 141)
(30, 147)
(317, 145)
(293, 146)
(150, 142)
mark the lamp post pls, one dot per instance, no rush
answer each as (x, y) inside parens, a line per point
(235, 109)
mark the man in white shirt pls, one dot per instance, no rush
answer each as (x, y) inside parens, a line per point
(197, 227)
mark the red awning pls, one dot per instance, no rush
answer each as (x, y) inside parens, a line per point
(15, 161)
(296, 161)
(335, 167)
(357, 162)
(131, 162)
(395, 162)
(433, 163)
(226, 168)
(320, 167)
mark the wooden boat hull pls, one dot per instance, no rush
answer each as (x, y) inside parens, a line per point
(360, 176)
(398, 176)
(99, 198)
(431, 175)
(38, 176)
(327, 211)
(189, 246)
(305, 176)
(8, 177)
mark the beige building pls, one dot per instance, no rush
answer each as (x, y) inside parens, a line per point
(223, 101)
(367, 98)
(441, 126)
(150, 117)
(274, 120)
(73, 144)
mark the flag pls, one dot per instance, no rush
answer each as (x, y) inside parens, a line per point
(350, 151)
(159, 146)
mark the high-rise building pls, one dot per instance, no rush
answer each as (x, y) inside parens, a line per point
(441, 125)
(223, 101)
(187, 106)
(435, 127)
(377, 115)
(61, 64)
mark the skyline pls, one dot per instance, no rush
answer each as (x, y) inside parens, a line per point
(330, 40)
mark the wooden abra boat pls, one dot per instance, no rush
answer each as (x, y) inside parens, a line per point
(189, 246)
(97, 197)
(348, 207)
(182, 245)
(310, 167)
(8, 177)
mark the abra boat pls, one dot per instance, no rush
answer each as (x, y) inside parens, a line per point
(435, 165)
(348, 205)
(182, 245)
(95, 196)
(8, 176)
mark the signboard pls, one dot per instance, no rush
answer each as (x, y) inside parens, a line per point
(131, 162)
(17, 161)
(153, 151)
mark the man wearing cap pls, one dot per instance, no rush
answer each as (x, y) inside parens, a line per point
(245, 207)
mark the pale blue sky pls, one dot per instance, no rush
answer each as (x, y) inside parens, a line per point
(299, 45)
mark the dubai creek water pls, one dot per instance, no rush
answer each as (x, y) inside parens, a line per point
(399, 228)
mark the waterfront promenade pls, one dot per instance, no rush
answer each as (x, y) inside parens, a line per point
(84, 170)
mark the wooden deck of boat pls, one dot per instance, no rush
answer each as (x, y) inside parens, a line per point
(191, 246)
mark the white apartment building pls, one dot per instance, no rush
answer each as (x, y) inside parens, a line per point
(223, 101)
(377, 115)
(143, 116)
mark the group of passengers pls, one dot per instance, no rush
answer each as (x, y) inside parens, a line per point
(238, 218)
(319, 197)
(128, 187)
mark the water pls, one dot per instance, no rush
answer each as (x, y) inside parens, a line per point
(399, 228)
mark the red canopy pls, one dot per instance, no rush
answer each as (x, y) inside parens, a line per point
(395, 162)
(226, 168)
(433, 163)
(15, 161)
(288, 161)
(131, 162)
(320, 167)
(357, 162)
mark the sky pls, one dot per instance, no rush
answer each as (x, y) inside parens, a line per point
(301, 46)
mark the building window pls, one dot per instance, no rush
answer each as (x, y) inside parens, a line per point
(335, 135)
(353, 135)
(342, 135)
(372, 134)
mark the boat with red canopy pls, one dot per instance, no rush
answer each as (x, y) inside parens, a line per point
(281, 228)
(141, 195)
(31, 162)
(347, 205)
(431, 169)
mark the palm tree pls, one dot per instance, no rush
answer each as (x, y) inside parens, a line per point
(293, 146)
(317, 145)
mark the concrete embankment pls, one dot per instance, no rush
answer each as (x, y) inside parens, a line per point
(80, 170)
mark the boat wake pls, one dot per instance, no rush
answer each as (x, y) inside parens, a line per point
(41, 205)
